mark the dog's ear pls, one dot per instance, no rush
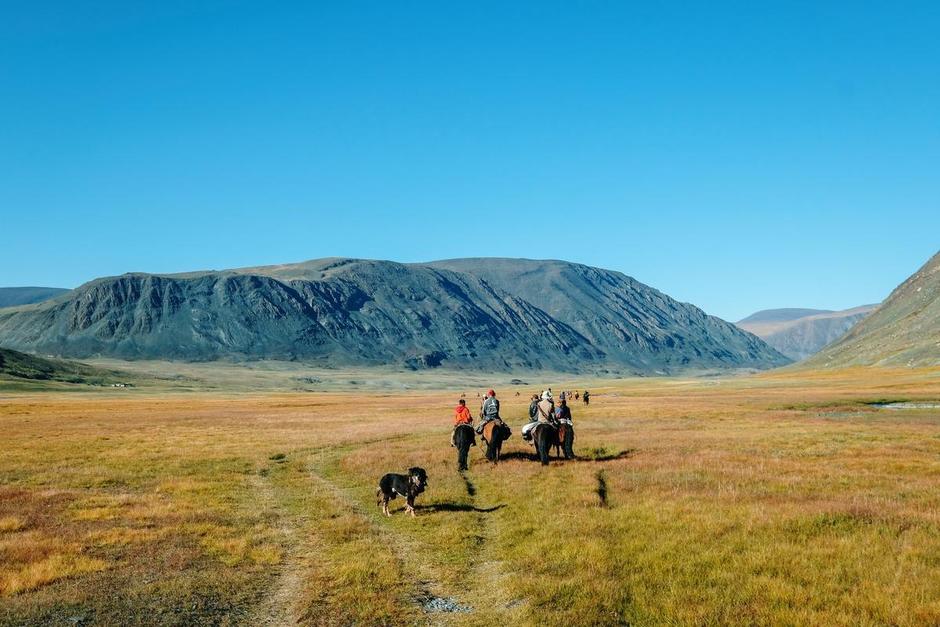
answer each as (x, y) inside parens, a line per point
(414, 470)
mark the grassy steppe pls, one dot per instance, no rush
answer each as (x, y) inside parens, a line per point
(777, 499)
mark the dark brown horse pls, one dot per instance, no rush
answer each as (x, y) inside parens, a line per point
(545, 436)
(495, 432)
(565, 442)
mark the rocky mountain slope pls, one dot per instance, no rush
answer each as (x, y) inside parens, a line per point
(14, 296)
(799, 333)
(630, 322)
(345, 311)
(903, 331)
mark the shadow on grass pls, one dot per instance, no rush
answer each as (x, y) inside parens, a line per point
(511, 455)
(450, 506)
(600, 455)
(471, 489)
(591, 455)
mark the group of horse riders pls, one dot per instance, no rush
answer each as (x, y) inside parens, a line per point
(542, 409)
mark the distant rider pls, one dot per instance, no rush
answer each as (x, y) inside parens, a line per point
(461, 417)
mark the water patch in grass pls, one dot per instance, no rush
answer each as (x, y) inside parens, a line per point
(896, 405)
(445, 604)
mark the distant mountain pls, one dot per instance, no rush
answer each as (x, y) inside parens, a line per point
(769, 321)
(903, 331)
(486, 314)
(14, 296)
(799, 333)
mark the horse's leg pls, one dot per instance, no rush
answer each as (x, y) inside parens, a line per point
(544, 447)
(462, 457)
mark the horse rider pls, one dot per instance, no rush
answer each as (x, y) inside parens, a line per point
(563, 412)
(586, 397)
(544, 413)
(461, 417)
(489, 411)
(533, 416)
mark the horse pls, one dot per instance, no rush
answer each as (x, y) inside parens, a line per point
(545, 436)
(464, 438)
(495, 432)
(565, 442)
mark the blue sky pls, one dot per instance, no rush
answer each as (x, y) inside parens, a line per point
(738, 156)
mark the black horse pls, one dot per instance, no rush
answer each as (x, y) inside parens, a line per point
(464, 438)
(495, 433)
(545, 436)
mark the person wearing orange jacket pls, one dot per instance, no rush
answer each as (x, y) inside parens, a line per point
(461, 417)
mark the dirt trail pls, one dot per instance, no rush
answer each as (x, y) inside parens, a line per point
(405, 551)
(279, 606)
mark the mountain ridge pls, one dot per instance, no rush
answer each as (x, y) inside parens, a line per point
(345, 311)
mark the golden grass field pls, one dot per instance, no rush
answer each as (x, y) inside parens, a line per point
(782, 498)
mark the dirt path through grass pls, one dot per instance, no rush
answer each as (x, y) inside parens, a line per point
(280, 606)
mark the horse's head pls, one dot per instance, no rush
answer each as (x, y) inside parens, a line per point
(418, 478)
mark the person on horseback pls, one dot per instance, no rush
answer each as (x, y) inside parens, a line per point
(563, 412)
(544, 412)
(533, 417)
(461, 417)
(489, 411)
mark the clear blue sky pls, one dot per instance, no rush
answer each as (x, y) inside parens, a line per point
(738, 156)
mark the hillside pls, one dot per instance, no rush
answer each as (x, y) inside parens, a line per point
(15, 296)
(903, 331)
(631, 322)
(799, 336)
(18, 366)
(564, 317)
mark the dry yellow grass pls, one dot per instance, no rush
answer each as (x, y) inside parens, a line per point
(778, 499)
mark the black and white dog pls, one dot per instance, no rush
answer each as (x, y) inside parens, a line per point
(409, 486)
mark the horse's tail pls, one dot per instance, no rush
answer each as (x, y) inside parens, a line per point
(378, 496)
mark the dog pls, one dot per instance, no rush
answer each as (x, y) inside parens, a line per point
(409, 486)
